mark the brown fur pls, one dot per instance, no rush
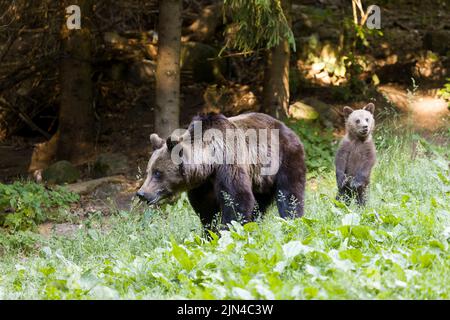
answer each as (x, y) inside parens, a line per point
(232, 189)
(356, 155)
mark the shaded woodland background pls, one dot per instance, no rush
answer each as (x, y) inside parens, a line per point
(88, 96)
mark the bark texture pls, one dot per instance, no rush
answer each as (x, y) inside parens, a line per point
(276, 76)
(167, 111)
(76, 118)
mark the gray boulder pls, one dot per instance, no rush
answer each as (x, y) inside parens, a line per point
(109, 164)
(61, 172)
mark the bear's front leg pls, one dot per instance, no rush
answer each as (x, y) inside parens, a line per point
(344, 188)
(290, 189)
(204, 202)
(361, 196)
(341, 179)
(359, 185)
(233, 188)
(344, 194)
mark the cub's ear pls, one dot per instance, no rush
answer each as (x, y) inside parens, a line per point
(347, 111)
(156, 141)
(370, 107)
(172, 141)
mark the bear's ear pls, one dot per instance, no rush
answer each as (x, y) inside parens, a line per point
(347, 111)
(172, 141)
(156, 141)
(370, 107)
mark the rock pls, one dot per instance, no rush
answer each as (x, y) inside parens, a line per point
(302, 111)
(328, 115)
(109, 164)
(61, 172)
(320, 106)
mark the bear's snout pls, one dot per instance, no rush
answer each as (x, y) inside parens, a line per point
(142, 196)
(147, 197)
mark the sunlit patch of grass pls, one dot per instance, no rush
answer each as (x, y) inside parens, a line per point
(397, 247)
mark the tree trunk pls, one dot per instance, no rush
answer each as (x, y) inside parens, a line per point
(276, 76)
(76, 118)
(167, 111)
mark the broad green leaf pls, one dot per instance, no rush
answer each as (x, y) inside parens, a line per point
(351, 219)
(354, 255)
(242, 294)
(294, 248)
(181, 256)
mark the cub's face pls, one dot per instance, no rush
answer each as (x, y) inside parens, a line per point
(360, 123)
(164, 177)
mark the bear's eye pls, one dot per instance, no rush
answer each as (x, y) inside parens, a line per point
(367, 119)
(358, 121)
(157, 174)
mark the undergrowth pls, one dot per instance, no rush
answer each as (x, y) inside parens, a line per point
(397, 247)
(23, 205)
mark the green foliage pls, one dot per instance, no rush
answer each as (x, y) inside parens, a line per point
(25, 204)
(359, 35)
(257, 24)
(340, 65)
(445, 92)
(319, 145)
(18, 242)
(397, 247)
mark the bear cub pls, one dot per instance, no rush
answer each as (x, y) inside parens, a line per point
(356, 155)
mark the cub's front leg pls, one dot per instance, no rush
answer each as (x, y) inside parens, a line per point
(342, 180)
(359, 186)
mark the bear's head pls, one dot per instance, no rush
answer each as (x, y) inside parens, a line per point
(360, 123)
(164, 174)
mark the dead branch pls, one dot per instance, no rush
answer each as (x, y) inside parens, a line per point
(25, 118)
(25, 71)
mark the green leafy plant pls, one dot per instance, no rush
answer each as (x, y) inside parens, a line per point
(18, 242)
(319, 144)
(336, 66)
(444, 93)
(25, 204)
(257, 24)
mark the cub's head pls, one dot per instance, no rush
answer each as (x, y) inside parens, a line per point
(360, 123)
(164, 175)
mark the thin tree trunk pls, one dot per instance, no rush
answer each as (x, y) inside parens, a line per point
(76, 119)
(276, 76)
(167, 111)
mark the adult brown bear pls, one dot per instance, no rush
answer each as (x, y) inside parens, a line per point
(237, 166)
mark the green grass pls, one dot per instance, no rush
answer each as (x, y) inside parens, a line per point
(395, 248)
